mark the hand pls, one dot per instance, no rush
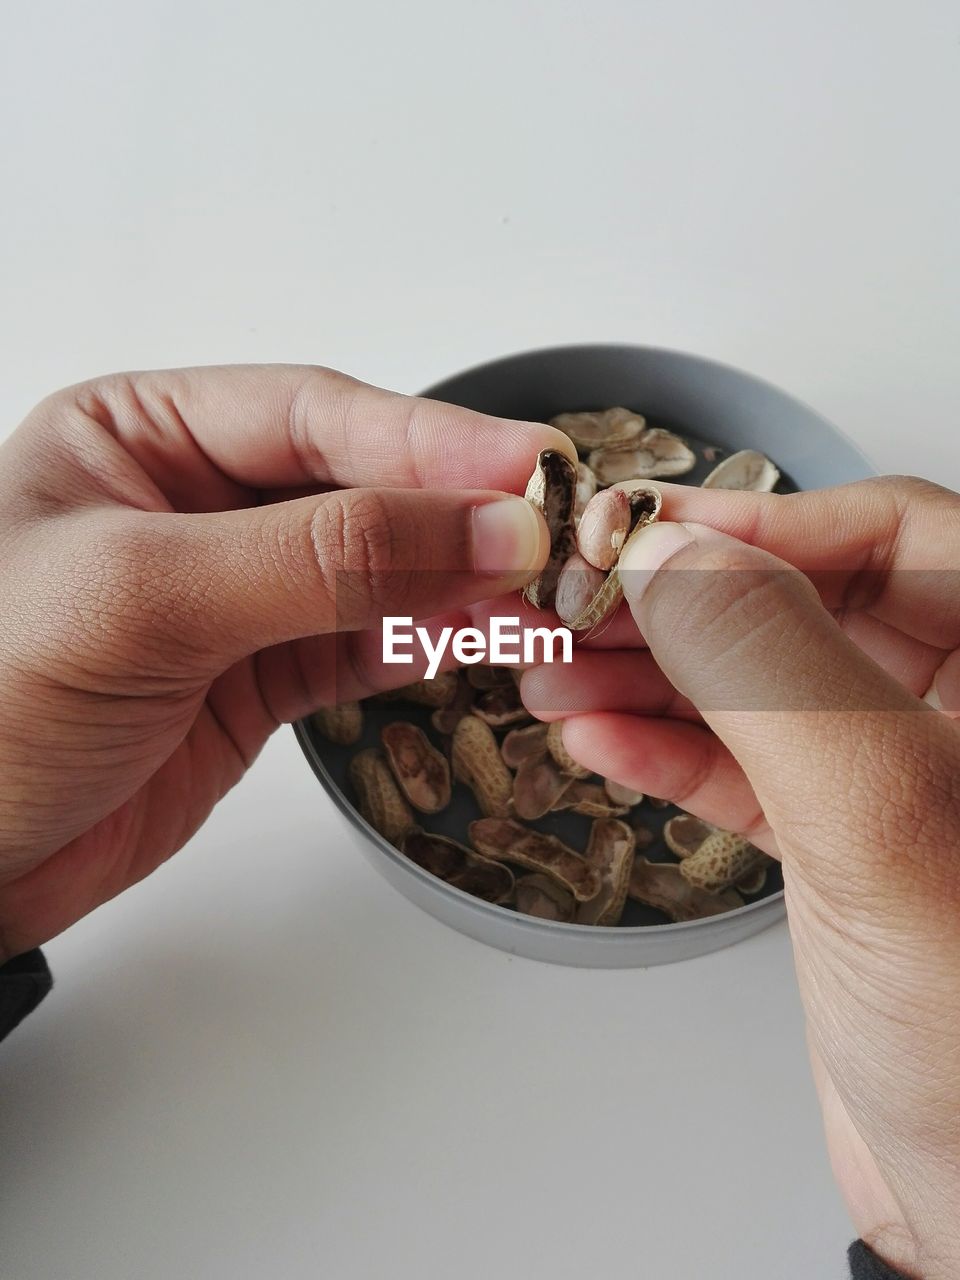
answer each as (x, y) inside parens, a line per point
(176, 552)
(789, 708)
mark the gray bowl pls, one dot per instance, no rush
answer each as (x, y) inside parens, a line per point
(705, 401)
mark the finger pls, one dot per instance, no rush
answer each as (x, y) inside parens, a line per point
(221, 586)
(317, 671)
(620, 632)
(911, 662)
(887, 544)
(852, 771)
(684, 763)
(630, 682)
(276, 426)
(320, 671)
(943, 692)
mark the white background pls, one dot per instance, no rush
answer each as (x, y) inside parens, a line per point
(263, 1061)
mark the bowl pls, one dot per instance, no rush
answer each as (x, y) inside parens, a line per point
(702, 399)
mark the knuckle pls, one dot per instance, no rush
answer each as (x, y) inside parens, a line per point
(734, 596)
(904, 486)
(325, 396)
(367, 557)
(354, 543)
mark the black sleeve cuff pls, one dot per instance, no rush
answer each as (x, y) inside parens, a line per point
(865, 1265)
(24, 981)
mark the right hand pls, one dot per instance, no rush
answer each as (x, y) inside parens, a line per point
(788, 706)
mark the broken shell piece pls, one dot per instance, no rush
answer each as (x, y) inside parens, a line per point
(482, 878)
(610, 850)
(342, 724)
(501, 706)
(634, 486)
(620, 794)
(603, 528)
(538, 787)
(425, 693)
(578, 585)
(478, 763)
(459, 866)
(380, 800)
(538, 895)
(684, 834)
(591, 799)
(747, 469)
(655, 453)
(446, 718)
(597, 429)
(721, 860)
(519, 744)
(508, 841)
(753, 883)
(561, 755)
(586, 488)
(552, 490)
(660, 885)
(422, 773)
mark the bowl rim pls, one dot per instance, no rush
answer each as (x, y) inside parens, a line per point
(612, 934)
(673, 353)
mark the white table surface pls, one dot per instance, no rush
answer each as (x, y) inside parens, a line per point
(263, 1061)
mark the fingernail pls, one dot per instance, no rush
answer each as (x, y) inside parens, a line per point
(508, 537)
(648, 551)
(563, 444)
(932, 698)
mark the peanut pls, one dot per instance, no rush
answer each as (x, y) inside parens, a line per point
(503, 839)
(380, 799)
(603, 528)
(478, 763)
(422, 773)
(720, 861)
(342, 724)
(660, 885)
(610, 850)
(538, 895)
(578, 585)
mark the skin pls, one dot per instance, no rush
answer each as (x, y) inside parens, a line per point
(787, 706)
(171, 547)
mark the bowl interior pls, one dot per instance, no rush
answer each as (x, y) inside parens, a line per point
(707, 403)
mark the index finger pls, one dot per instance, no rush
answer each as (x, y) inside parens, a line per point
(890, 545)
(273, 426)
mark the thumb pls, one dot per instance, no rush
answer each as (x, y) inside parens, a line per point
(212, 588)
(844, 760)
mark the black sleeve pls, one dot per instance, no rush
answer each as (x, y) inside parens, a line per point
(865, 1265)
(24, 981)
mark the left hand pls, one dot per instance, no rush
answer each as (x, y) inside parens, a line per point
(171, 548)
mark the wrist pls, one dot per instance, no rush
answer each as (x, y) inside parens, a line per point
(931, 1256)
